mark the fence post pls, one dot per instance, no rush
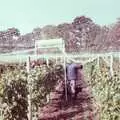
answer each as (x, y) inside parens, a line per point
(47, 61)
(29, 90)
(119, 63)
(65, 78)
(98, 62)
(111, 64)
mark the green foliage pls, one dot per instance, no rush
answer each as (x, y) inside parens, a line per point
(15, 95)
(44, 80)
(106, 90)
(15, 89)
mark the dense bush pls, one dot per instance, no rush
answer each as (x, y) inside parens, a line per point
(15, 95)
(44, 81)
(106, 90)
(15, 89)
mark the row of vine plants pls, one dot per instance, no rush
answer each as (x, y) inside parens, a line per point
(105, 88)
(14, 89)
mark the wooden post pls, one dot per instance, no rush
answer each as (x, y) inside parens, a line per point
(111, 65)
(30, 91)
(66, 97)
(65, 76)
(119, 59)
(98, 62)
(119, 63)
(28, 65)
(47, 61)
(35, 51)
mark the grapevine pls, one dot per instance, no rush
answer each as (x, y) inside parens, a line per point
(105, 89)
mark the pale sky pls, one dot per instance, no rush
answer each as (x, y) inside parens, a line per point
(28, 14)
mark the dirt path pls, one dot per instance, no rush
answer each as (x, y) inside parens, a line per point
(83, 108)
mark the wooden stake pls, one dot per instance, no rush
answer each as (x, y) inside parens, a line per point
(30, 91)
(66, 97)
(98, 62)
(111, 65)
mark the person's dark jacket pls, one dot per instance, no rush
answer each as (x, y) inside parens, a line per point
(72, 71)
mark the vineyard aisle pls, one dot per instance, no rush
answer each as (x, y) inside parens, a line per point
(83, 108)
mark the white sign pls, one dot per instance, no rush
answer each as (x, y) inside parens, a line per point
(51, 43)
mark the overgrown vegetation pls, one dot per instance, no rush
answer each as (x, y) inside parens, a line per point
(14, 92)
(106, 90)
(14, 89)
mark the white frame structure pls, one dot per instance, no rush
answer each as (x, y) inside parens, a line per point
(53, 43)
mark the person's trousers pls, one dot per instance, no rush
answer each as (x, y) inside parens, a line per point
(72, 85)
